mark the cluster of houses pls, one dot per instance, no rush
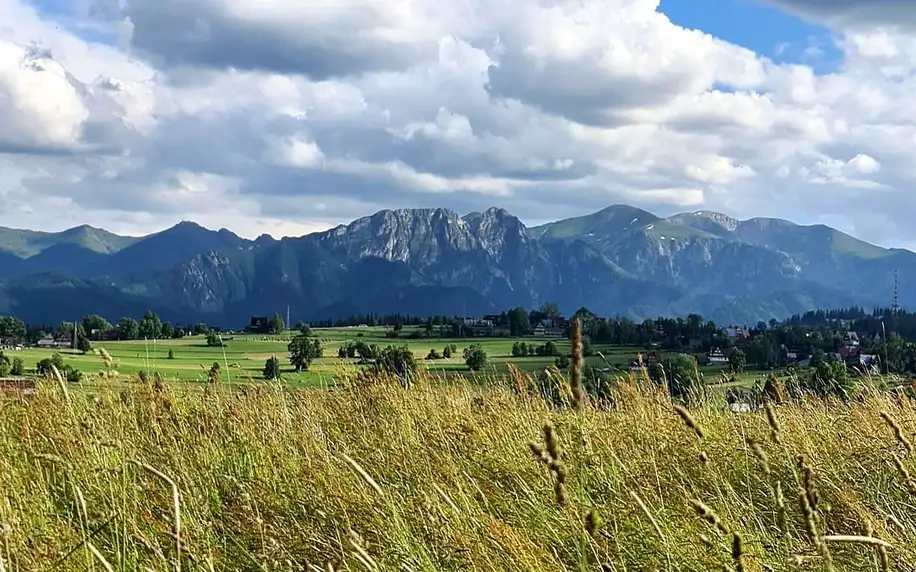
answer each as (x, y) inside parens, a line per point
(849, 353)
(489, 326)
(10, 345)
(58, 340)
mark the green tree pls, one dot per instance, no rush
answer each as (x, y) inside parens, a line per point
(171, 354)
(518, 322)
(12, 328)
(517, 349)
(128, 329)
(561, 362)
(433, 354)
(551, 310)
(276, 324)
(17, 367)
(548, 349)
(396, 361)
(82, 341)
(272, 368)
(200, 329)
(656, 372)
(168, 330)
(95, 323)
(475, 357)
(830, 378)
(68, 372)
(304, 329)
(214, 341)
(150, 326)
(681, 374)
(302, 351)
(586, 317)
(213, 376)
(43, 367)
(737, 360)
(5, 365)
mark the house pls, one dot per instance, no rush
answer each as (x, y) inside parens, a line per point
(479, 326)
(863, 363)
(650, 357)
(849, 351)
(851, 340)
(500, 331)
(259, 324)
(551, 327)
(716, 357)
(59, 340)
(735, 332)
(104, 335)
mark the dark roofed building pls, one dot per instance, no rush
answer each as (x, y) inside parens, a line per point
(259, 324)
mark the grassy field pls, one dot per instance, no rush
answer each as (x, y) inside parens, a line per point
(378, 477)
(244, 356)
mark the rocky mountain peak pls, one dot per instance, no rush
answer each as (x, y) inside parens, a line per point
(728, 223)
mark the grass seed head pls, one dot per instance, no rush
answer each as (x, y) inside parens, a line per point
(773, 422)
(688, 420)
(709, 515)
(898, 431)
(761, 455)
(575, 367)
(593, 522)
(737, 552)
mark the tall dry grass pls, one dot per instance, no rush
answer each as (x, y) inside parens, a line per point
(375, 476)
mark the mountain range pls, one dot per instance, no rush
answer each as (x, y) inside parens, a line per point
(618, 261)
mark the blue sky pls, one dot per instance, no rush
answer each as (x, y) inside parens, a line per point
(768, 31)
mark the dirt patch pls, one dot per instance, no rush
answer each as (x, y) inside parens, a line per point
(265, 355)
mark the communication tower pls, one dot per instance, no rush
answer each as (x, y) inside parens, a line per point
(895, 302)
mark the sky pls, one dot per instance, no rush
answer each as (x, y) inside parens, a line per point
(278, 117)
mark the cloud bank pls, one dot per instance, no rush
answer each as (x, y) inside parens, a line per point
(284, 118)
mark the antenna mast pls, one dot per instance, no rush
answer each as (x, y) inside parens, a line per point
(895, 303)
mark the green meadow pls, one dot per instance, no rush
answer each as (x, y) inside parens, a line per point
(243, 356)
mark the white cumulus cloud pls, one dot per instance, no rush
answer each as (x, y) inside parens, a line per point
(286, 117)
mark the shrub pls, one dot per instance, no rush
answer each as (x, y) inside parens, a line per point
(271, 368)
(475, 357)
(214, 340)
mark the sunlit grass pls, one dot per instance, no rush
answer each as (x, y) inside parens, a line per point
(373, 475)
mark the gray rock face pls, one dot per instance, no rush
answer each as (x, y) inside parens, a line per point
(620, 260)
